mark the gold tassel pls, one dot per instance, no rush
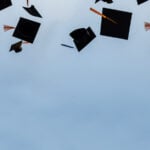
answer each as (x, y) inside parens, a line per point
(102, 15)
(147, 26)
(7, 27)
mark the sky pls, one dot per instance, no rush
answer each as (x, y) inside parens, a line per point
(53, 97)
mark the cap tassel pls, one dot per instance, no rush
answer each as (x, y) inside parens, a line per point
(102, 15)
(7, 27)
(67, 45)
(27, 2)
(147, 26)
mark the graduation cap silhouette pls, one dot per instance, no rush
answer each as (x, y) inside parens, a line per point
(82, 37)
(33, 11)
(26, 30)
(16, 47)
(121, 28)
(141, 1)
(107, 1)
(5, 3)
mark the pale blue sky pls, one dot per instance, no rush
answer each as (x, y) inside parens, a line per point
(55, 98)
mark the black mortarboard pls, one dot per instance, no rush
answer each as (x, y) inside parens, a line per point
(26, 30)
(16, 47)
(121, 28)
(141, 1)
(82, 37)
(32, 11)
(107, 1)
(4, 4)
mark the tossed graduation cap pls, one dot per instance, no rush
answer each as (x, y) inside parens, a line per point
(16, 47)
(4, 4)
(141, 1)
(26, 30)
(121, 28)
(107, 1)
(32, 11)
(82, 37)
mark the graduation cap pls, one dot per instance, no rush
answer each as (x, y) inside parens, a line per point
(107, 1)
(32, 11)
(141, 1)
(26, 30)
(121, 28)
(82, 37)
(5, 3)
(16, 47)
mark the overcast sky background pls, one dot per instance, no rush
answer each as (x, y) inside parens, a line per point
(52, 97)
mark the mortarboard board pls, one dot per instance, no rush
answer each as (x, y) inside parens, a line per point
(121, 28)
(141, 1)
(26, 30)
(5, 3)
(82, 37)
(32, 11)
(16, 47)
